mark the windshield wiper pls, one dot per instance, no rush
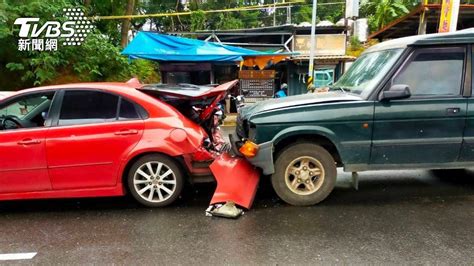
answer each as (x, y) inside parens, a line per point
(338, 88)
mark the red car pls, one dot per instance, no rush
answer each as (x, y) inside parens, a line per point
(4, 94)
(104, 139)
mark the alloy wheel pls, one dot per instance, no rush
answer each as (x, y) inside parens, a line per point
(304, 175)
(154, 181)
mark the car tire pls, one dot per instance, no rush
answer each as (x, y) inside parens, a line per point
(305, 174)
(155, 180)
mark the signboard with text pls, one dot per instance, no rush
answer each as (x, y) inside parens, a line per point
(260, 84)
(326, 44)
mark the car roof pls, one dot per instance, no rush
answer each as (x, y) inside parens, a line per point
(459, 37)
(129, 89)
(109, 86)
(114, 87)
(4, 94)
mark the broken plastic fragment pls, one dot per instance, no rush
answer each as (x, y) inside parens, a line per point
(228, 210)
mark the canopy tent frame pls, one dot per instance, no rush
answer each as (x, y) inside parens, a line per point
(161, 47)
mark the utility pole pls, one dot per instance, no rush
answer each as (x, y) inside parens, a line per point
(313, 45)
(274, 13)
(288, 14)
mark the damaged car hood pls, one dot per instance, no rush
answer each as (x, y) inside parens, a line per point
(297, 100)
(208, 96)
(189, 91)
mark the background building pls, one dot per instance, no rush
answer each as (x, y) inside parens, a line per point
(263, 81)
(424, 19)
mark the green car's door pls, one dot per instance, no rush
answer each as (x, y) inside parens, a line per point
(427, 127)
(467, 149)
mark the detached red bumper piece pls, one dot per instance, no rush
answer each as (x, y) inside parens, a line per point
(237, 180)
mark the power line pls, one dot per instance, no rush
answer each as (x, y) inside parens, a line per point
(191, 12)
(236, 9)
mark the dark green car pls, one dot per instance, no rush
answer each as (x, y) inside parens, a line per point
(404, 104)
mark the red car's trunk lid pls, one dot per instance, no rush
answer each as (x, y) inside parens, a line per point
(192, 93)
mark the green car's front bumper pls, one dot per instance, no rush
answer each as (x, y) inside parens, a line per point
(264, 157)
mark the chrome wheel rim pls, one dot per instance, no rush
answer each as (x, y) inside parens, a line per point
(154, 181)
(304, 175)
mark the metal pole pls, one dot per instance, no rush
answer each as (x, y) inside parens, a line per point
(274, 13)
(288, 15)
(454, 16)
(313, 45)
(423, 21)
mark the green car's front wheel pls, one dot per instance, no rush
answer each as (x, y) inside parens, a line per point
(305, 174)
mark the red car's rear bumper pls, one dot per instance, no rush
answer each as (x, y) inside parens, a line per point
(237, 180)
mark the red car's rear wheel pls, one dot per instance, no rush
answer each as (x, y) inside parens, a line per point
(155, 180)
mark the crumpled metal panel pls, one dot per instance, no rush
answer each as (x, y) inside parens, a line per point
(237, 180)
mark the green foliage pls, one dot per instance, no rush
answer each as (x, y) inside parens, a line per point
(382, 12)
(97, 59)
(251, 19)
(104, 62)
(355, 43)
(198, 21)
(355, 47)
(227, 22)
(302, 14)
(107, 7)
(145, 70)
(331, 11)
(326, 10)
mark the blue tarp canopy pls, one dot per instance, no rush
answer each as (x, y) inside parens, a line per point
(155, 46)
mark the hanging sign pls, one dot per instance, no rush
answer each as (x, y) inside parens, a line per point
(449, 15)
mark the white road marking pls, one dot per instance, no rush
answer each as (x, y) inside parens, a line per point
(18, 256)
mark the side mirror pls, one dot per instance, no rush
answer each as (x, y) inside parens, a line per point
(397, 91)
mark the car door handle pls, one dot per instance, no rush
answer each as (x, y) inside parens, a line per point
(126, 132)
(29, 142)
(453, 111)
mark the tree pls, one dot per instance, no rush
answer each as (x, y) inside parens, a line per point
(126, 23)
(381, 12)
(198, 21)
(329, 10)
(97, 59)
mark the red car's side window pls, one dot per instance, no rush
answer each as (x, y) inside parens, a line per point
(27, 111)
(127, 110)
(86, 107)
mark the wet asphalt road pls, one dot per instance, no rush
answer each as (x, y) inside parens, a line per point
(395, 217)
(404, 217)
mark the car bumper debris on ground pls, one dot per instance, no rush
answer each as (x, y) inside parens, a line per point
(237, 182)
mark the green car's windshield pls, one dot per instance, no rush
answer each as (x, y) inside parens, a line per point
(367, 71)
